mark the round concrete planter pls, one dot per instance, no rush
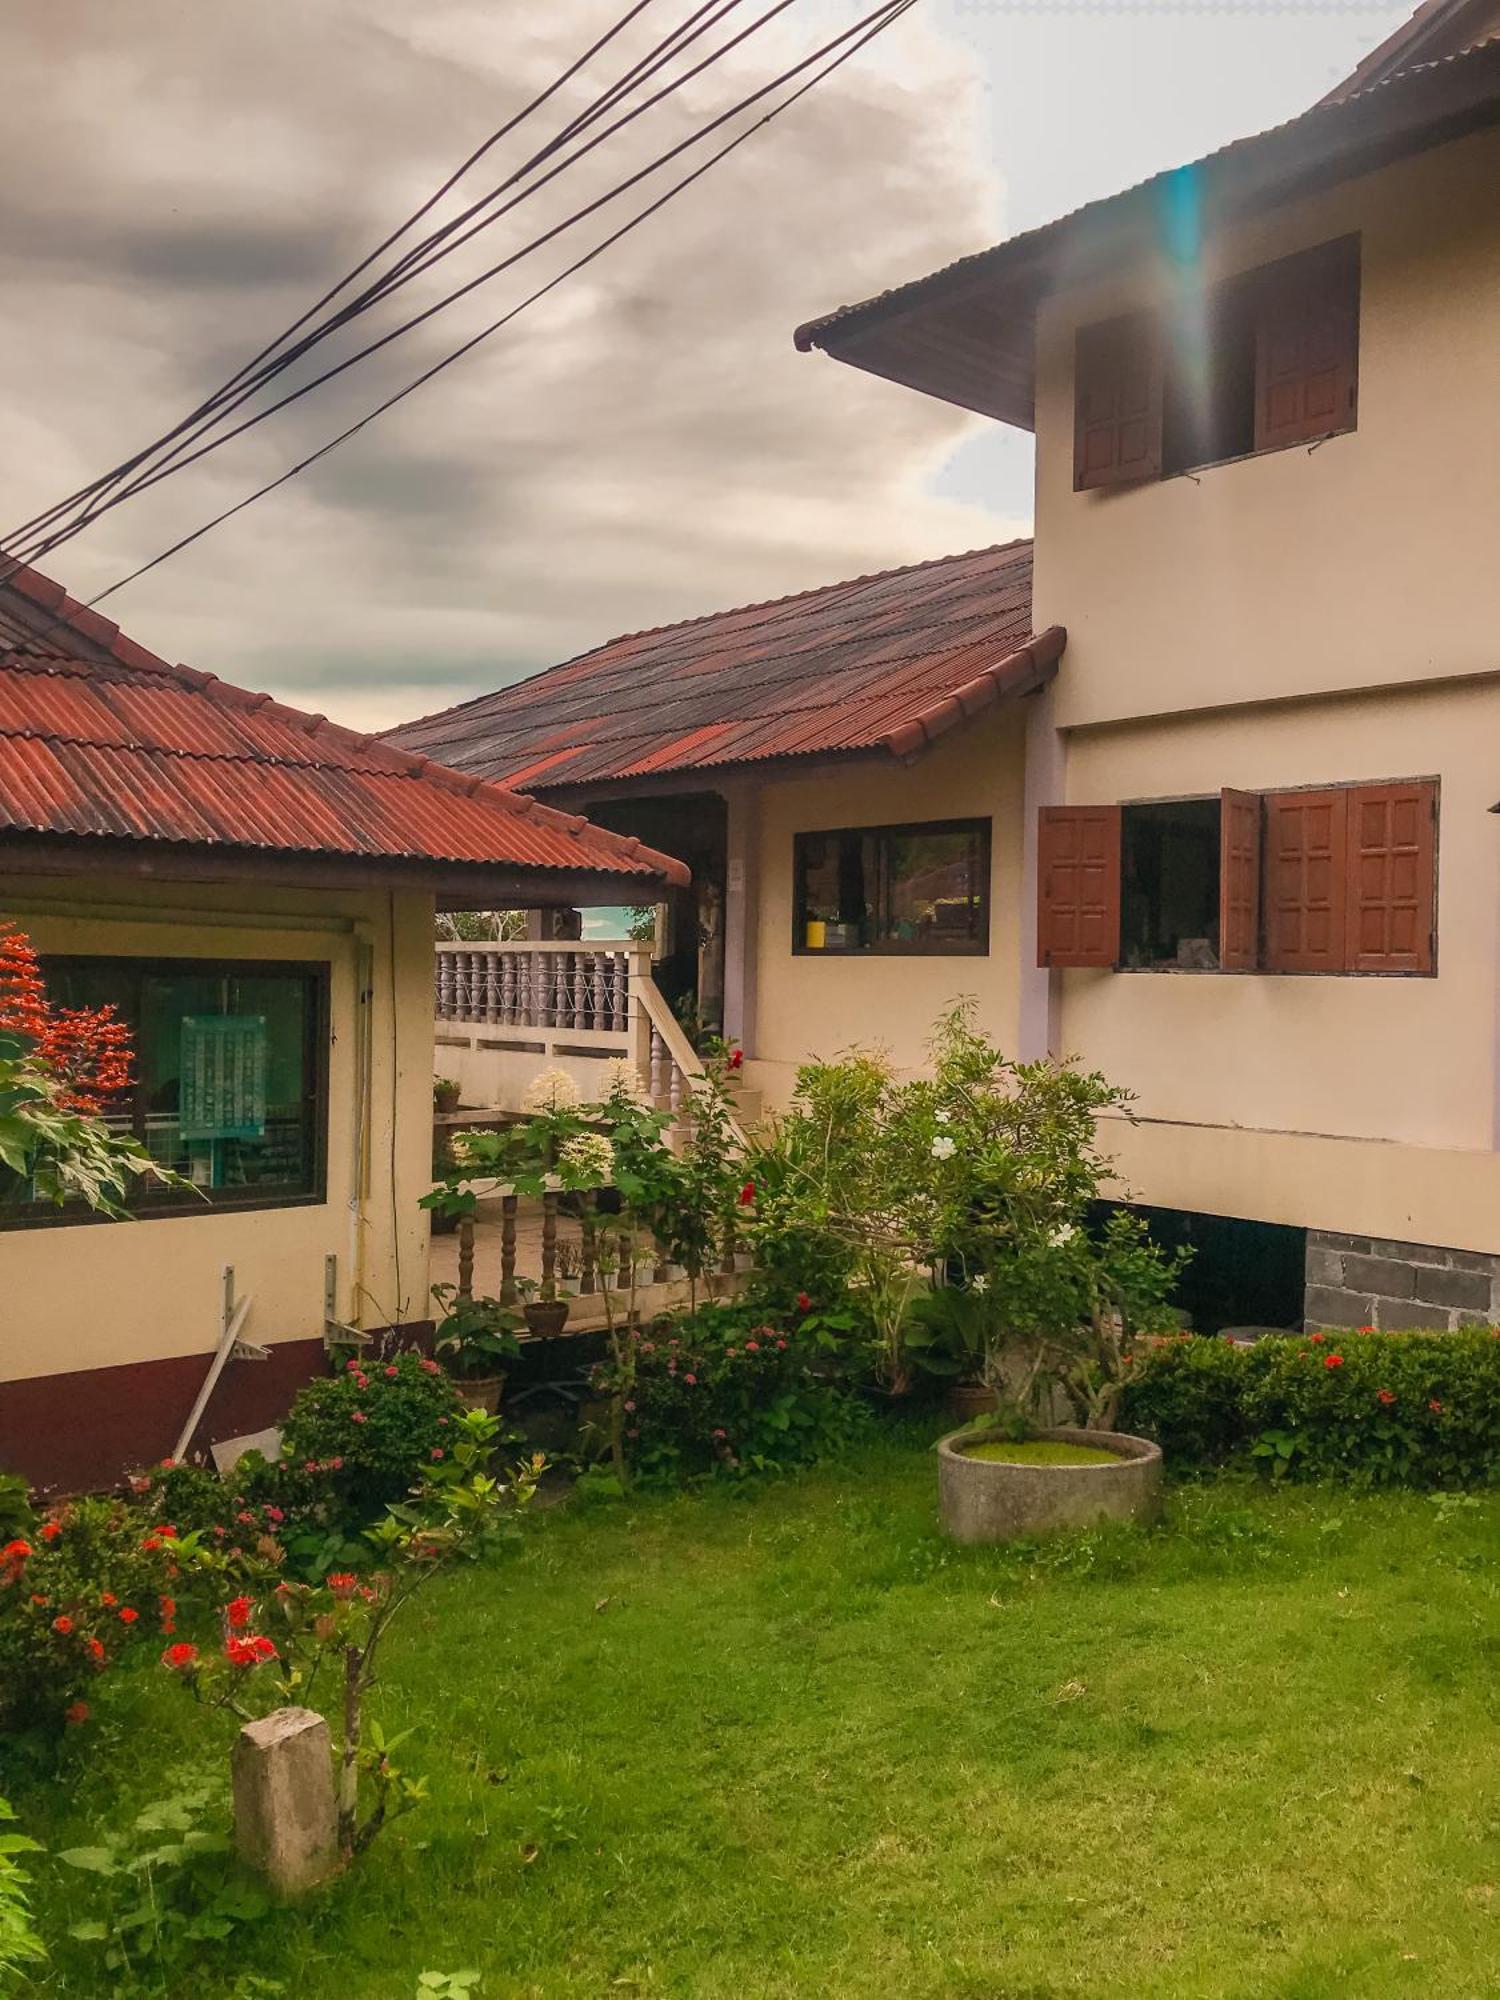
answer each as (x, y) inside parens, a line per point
(982, 1500)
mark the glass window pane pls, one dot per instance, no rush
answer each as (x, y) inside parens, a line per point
(894, 889)
(934, 895)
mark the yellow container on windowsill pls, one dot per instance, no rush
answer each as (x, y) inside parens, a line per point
(817, 934)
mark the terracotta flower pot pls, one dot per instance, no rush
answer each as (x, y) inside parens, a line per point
(446, 1100)
(968, 1400)
(545, 1318)
(481, 1392)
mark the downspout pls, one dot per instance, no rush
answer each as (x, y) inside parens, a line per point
(361, 1136)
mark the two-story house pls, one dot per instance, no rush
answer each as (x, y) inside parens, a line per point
(1262, 879)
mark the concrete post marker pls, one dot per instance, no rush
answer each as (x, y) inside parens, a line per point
(285, 1824)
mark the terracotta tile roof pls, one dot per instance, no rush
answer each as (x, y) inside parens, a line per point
(965, 334)
(876, 666)
(100, 739)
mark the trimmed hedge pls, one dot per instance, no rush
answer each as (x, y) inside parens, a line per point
(1377, 1409)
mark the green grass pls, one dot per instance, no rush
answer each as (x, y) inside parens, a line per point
(1040, 1451)
(791, 1742)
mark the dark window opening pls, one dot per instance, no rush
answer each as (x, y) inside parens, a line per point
(1169, 892)
(1209, 404)
(893, 889)
(230, 1075)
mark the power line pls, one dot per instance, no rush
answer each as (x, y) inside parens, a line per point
(181, 455)
(864, 30)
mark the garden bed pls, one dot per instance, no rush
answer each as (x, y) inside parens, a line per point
(787, 1741)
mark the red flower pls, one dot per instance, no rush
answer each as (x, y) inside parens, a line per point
(251, 1651)
(351, 1367)
(151, 1543)
(752, 1347)
(96, 1648)
(1333, 1360)
(1315, 1336)
(51, 1530)
(63, 1624)
(127, 1616)
(1386, 1396)
(1367, 1329)
(275, 1514)
(692, 1380)
(15, 1553)
(391, 1371)
(343, 1583)
(180, 1657)
(735, 1059)
(79, 1712)
(356, 1416)
(237, 1612)
(108, 1599)
(1436, 1407)
(804, 1303)
(430, 1368)
(747, 1194)
(437, 1452)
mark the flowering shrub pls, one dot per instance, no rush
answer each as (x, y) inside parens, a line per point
(372, 1428)
(720, 1392)
(89, 1583)
(59, 1069)
(1378, 1409)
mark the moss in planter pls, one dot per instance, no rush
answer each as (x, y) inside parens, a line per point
(1041, 1451)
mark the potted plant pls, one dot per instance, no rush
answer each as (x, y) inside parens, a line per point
(545, 1315)
(567, 1266)
(446, 1092)
(474, 1338)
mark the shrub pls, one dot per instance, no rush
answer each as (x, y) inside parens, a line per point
(89, 1584)
(372, 1428)
(719, 1392)
(19, 1944)
(298, 1505)
(1378, 1409)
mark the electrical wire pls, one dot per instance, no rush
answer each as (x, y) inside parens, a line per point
(182, 456)
(871, 24)
(118, 486)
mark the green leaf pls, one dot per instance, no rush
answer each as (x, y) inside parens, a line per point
(93, 1860)
(91, 1932)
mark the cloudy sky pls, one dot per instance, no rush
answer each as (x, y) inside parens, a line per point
(182, 177)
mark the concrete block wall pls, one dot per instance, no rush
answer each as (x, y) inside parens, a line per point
(1371, 1281)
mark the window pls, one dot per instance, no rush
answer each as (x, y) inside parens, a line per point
(1267, 359)
(893, 889)
(1336, 880)
(230, 1072)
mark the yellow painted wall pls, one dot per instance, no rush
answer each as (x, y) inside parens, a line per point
(1365, 562)
(811, 1006)
(96, 1295)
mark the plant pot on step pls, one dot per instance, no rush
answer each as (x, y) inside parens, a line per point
(481, 1392)
(545, 1318)
(967, 1400)
(990, 1499)
(445, 1097)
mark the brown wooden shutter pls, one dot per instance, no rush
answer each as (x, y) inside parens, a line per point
(1239, 881)
(1117, 387)
(1078, 885)
(1392, 844)
(1307, 348)
(1306, 878)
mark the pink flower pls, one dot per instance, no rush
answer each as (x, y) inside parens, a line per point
(781, 1344)
(430, 1368)
(1436, 1407)
(691, 1379)
(1386, 1396)
(437, 1452)
(351, 1367)
(752, 1347)
(356, 1416)
(390, 1372)
(630, 1406)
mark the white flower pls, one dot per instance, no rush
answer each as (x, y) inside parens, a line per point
(551, 1089)
(943, 1148)
(979, 1283)
(944, 1117)
(467, 1147)
(588, 1156)
(622, 1081)
(1061, 1236)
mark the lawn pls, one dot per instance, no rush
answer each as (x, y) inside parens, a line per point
(787, 1741)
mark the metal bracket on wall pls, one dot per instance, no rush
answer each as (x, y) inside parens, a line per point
(231, 1347)
(337, 1332)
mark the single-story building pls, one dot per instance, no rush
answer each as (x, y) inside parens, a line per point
(253, 888)
(845, 772)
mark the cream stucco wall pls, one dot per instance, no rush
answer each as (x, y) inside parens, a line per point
(96, 1295)
(1367, 561)
(1197, 607)
(817, 1006)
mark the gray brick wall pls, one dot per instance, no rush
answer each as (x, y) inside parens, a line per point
(1371, 1281)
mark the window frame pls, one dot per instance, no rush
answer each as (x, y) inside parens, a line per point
(976, 825)
(153, 1205)
(1253, 292)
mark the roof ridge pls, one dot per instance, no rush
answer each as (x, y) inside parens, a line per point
(714, 617)
(101, 632)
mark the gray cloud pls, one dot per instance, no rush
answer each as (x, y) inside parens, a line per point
(643, 446)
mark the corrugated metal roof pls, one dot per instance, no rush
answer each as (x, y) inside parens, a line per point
(100, 739)
(861, 667)
(965, 334)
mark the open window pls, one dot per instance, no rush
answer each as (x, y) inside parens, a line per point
(1340, 879)
(1268, 358)
(895, 890)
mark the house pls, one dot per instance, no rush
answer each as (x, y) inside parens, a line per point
(1240, 852)
(1261, 875)
(844, 772)
(254, 889)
